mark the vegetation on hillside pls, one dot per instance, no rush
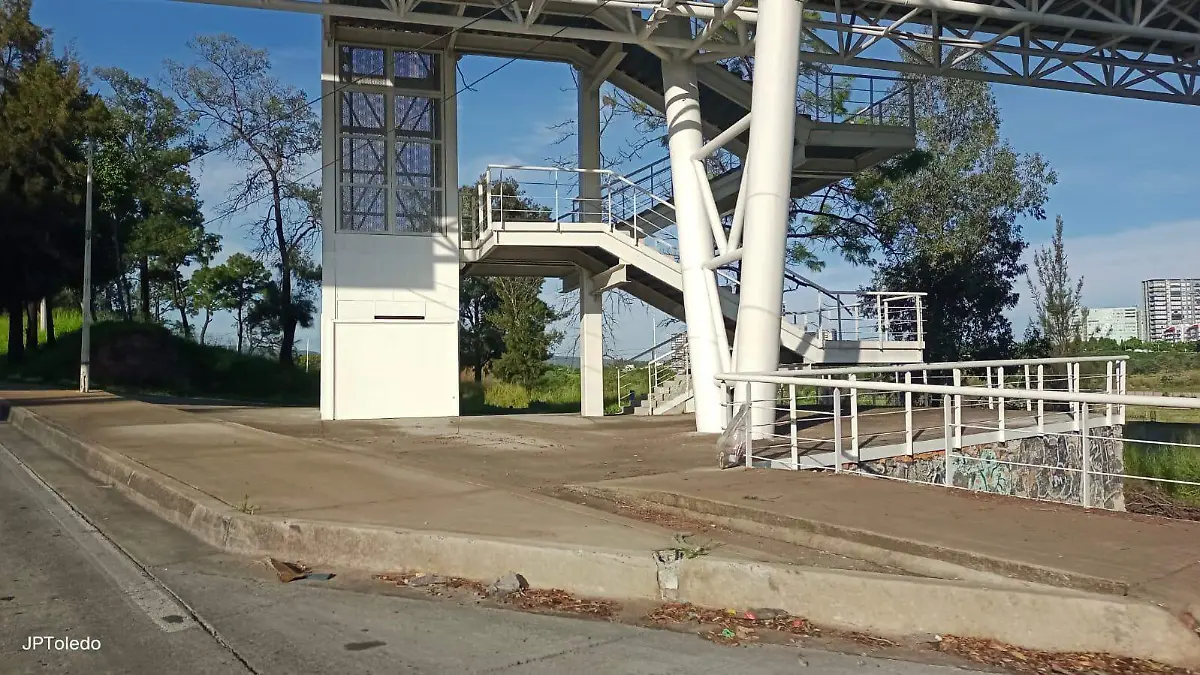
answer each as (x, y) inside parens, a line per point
(150, 359)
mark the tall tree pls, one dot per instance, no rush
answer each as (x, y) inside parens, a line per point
(268, 129)
(524, 319)
(482, 340)
(45, 114)
(947, 218)
(148, 190)
(1057, 298)
(232, 286)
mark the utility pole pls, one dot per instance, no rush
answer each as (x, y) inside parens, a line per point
(85, 356)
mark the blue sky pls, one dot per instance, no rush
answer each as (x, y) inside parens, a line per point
(1127, 170)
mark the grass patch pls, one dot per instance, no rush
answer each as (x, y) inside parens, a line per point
(1168, 462)
(558, 391)
(149, 359)
(65, 321)
(1164, 459)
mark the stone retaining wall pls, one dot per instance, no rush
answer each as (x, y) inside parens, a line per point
(986, 467)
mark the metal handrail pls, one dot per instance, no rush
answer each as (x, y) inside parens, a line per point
(653, 348)
(947, 365)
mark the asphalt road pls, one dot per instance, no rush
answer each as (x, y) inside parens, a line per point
(157, 601)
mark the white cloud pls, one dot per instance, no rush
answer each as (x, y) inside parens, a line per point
(1114, 264)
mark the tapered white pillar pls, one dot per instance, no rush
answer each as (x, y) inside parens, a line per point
(695, 240)
(591, 304)
(772, 136)
(591, 347)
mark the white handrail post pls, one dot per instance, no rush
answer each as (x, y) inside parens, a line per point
(1121, 384)
(749, 428)
(792, 417)
(988, 384)
(1028, 401)
(1041, 402)
(481, 223)
(920, 322)
(908, 414)
(1108, 389)
(1086, 483)
(837, 430)
(1000, 413)
(879, 322)
(1074, 387)
(950, 442)
(854, 420)
(958, 405)
(488, 180)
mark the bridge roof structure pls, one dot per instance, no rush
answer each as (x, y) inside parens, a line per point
(1144, 49)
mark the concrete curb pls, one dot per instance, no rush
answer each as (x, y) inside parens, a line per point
(912, 556)
(1047, 619)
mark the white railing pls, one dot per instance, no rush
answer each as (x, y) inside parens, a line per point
(652, 370)
(1040, 428)
(671, 367)
(864, 316)
(551, 196)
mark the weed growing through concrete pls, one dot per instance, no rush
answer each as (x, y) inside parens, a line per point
(247, 507)
(690, 550)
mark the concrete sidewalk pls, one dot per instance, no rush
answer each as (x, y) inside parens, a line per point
(270, 474)
(473, 498)
(1094, 550)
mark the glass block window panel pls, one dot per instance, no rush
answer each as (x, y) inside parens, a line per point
(362, 64)
(363, 112)
(416, 116)
(363, 209)
(363, 160)
(417, 165)
(415, 70)
(417, 210)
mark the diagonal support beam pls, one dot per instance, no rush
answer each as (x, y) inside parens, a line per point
(613, 277)
(606, 64)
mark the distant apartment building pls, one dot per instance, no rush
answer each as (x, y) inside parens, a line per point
(1171, 309)
(1117, 323)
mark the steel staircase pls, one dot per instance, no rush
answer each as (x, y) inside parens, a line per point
(608, 239)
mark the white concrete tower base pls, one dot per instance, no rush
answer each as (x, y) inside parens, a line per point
(591, 346)
(695, 241)
(769, 162)
(389, 297)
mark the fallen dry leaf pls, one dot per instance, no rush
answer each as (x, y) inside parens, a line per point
(551, 599)
(1021, 660)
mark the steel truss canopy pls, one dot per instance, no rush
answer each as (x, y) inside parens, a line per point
(1146, 49)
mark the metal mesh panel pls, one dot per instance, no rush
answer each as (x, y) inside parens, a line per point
(362, 64)
(416, 116)
(417, 165)
(416, 209)
(363, 160)
(415, 69)
(362, 112)
(363, 209)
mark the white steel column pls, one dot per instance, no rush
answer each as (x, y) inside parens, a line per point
(591, 304)
(772, 136)
(591, 347)
(590, 192)
(695, 240)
